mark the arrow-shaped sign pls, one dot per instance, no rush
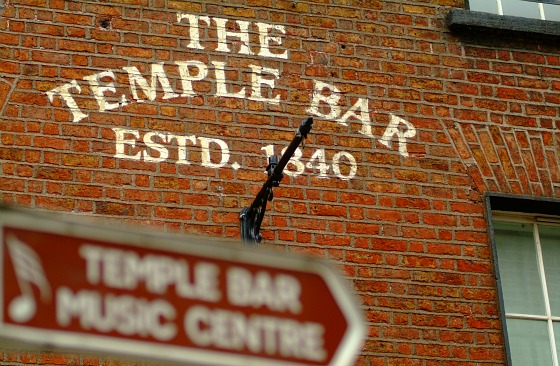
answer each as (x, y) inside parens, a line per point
(95, 289)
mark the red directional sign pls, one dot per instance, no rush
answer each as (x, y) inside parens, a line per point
(86, 288)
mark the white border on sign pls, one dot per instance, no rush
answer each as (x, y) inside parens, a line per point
(346, 353)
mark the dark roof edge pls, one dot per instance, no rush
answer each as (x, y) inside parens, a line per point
(460, 20)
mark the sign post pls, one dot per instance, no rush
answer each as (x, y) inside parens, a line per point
(92, 289)
(251, 217)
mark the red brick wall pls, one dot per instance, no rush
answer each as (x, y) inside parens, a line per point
(433, 121)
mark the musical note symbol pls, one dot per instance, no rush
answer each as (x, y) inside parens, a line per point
(28, 270)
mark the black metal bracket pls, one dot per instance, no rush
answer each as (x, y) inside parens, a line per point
(251, 217)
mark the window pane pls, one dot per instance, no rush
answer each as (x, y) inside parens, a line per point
(552, 12)
(521, 8)
(550, 244)
(517, 261)
(528, 342)
(556, 327)
(487, 6)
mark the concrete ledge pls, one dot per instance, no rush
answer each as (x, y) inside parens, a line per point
(460, 20)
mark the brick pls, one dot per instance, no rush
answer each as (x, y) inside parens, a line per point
(159, 41)
(75, 190)
(328, 210)
(363, 257)
(53, 173)
(410, 232)
(112, 208)
(77, 46)
(172, 183)
(11, 184)
(80, 160)
(173, 213)
(141, 196)
(104, 35)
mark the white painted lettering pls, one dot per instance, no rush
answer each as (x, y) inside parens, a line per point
(267, 42)
(121, 141)
(265, 39)
(157, 152)
(259, 334)
(319, 100)
(125, 269)
(158, 74)
(206, 157)
(223, 33)
(196, 325)
(361, 105)
(221, 88)
(394, 130)
(182, 147)
(92, 255)
(328, 96)
(187, 78)
(123, 314)
(99, 90)
(257, 80)
(163, 153)
(206, 285)
(278, 293)
(64, 92)
(194, 31)
(326, 101)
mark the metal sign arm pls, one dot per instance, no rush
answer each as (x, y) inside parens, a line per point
(251, 217)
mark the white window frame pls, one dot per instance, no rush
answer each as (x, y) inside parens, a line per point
(510, 217)
(540, 6)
